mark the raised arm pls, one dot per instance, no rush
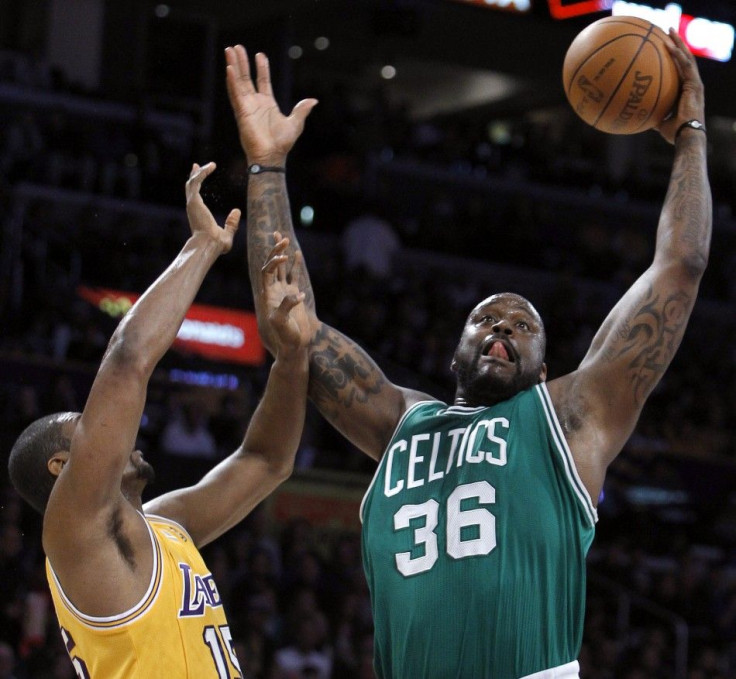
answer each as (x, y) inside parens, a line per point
(600, 403)
(345, 384)
(266, 457)
(89, 525)
(266, 136)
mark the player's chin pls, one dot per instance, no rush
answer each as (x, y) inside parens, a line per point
(490, 387)
(504, 379)
(497, 372)
(145, 472)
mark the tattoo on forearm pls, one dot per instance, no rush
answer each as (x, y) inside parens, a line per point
(689, 201)
(336, 366)
(269, 211)
(647, 339)
(650, 339)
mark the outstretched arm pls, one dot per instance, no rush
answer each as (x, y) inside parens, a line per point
(600, 403)
(345, 384)
(266, 136)
(92, 532)
(105, 435)
(266, 457)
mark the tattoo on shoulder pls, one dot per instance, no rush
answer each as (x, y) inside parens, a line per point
(336, 365)
(649, 339)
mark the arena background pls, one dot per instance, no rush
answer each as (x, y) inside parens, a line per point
(413, 195)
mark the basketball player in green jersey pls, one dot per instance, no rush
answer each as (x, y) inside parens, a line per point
(133, 596)
(480, 514)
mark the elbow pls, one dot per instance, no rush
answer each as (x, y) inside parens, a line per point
(693, 265)
(275, 466)
(282, 472)
(125, 353)
(688, 267)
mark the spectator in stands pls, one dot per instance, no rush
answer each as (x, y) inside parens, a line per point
(370, 243)
(187, 447)
(307, 655)
(7, 661)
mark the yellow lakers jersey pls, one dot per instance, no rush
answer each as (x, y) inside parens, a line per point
(178, 630)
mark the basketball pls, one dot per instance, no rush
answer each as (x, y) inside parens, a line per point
(619, 77)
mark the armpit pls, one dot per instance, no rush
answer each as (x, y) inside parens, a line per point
(572, 408)
(122, 541)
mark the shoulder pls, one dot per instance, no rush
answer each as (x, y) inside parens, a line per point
(582, 420)
(412, 397)
(162, 524)
(424, 408)
(418, 417)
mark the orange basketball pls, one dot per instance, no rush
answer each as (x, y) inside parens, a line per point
(619, 77)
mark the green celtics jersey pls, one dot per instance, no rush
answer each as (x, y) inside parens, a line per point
(475, 531)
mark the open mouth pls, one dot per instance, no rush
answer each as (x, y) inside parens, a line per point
(498, 349)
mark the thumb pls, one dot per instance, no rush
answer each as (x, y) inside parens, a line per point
(233, 221)
(302, 110)
(288, 303)
(279, 317)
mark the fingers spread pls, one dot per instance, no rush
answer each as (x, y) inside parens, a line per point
(197, 176)
(237, 71)
(270, 269)
(263, 74)
(242, 59)
(278, 248)
(279, 259)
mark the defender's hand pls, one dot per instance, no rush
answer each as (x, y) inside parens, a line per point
(286, 314)
(266, 134)
(199, 215)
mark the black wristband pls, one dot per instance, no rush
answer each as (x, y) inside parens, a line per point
(693, 124)
(260, 169)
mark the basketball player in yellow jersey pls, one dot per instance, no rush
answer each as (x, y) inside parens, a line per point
(132, 594)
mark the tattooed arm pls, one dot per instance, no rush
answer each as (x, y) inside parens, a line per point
(266, 136)
(345, 384)
(268, 212)
(599, 404)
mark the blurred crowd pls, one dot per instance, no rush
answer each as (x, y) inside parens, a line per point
(91, 192)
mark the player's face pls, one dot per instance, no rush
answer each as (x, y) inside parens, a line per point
(137, 473)
(501, 350)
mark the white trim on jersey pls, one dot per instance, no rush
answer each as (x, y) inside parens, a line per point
(566, 454)
(158, 518)
(134, 612)
(462, 410)
(570, 670)
(383, 456)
